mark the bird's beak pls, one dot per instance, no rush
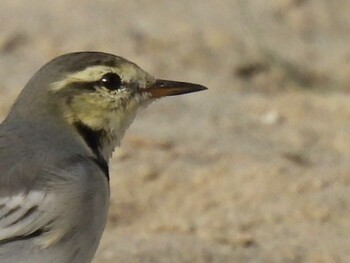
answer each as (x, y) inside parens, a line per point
(162, 88)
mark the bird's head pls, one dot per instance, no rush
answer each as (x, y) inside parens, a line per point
(98, 94)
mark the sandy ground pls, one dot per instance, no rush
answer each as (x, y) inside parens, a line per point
(257, 168)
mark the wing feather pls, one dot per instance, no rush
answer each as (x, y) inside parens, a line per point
(23, 214)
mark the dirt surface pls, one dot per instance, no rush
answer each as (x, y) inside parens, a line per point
(257, 168)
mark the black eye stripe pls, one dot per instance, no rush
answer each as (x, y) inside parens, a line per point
(79, 86)
(110, 81)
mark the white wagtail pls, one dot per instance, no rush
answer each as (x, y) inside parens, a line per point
(54, 149)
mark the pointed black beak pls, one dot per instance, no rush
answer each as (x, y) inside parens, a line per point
(163, 88)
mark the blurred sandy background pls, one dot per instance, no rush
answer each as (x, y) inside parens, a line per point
(257, 168)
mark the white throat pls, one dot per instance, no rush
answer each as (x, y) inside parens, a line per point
(118, 122)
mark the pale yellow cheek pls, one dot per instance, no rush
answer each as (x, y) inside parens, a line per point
(94, 119)
(120, 119)
(103, 112)
(91, 110)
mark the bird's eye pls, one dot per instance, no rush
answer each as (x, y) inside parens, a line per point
(111, 81)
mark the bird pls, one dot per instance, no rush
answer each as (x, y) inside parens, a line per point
(55, 146)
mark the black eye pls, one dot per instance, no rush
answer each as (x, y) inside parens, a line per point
(111, 81)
